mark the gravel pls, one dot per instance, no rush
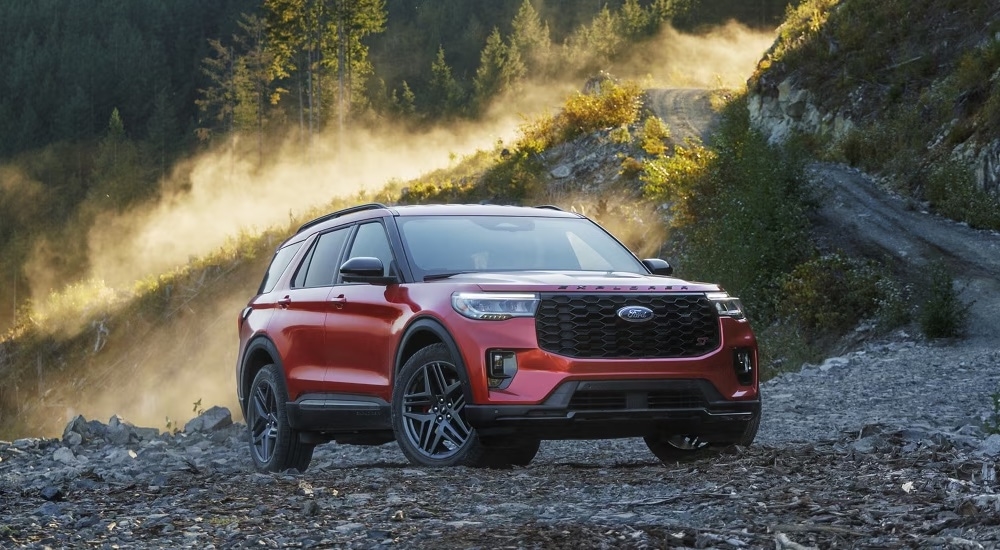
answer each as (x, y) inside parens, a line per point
(880, 448)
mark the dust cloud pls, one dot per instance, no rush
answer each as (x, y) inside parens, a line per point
(221, 193)
(225, 192)
(153, 372)
(723, 57)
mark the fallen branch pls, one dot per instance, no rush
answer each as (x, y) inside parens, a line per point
(813, 528)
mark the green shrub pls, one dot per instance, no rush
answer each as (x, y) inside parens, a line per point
(890, 144)
(616, 106)
(631, 167)
(515, 178)
(942, 314)
(653, 136)
(833, 293)
(741, 209)
(951, 190)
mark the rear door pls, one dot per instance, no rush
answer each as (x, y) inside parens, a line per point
(301, 314)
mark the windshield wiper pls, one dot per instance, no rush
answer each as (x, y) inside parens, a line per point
(436, 276)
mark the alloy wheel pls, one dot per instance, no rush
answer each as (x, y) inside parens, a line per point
(433, 406)
(264, 422)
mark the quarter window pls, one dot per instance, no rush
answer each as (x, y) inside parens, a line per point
(278, 264)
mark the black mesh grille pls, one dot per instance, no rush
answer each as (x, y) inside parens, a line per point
(597, 400)
(588, 326)
(676, 399)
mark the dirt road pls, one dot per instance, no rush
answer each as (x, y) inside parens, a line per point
(858, 217)
(687, 111)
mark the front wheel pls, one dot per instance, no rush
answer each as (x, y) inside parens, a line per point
(686, 448)
(274, 445)
(428, 411)
(509, 453)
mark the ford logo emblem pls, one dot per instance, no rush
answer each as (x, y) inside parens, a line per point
(635, 314)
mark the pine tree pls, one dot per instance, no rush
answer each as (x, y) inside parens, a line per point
(118, 174)
(635, 21)
(500, 69)
(445, 92)
(313, 40)
(530, 39)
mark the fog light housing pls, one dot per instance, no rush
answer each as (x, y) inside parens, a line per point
(743, 365)
(501, 365)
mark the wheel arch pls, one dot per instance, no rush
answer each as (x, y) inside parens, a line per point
(259, 353)
(424, 332)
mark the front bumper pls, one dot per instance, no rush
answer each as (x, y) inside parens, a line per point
(629, 408)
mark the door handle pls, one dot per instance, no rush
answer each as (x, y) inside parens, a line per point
(339, 299)
(283, 303)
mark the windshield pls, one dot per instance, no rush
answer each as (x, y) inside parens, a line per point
(441, 245)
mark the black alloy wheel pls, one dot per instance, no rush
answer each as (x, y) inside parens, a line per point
(428, 411)
(274, 445)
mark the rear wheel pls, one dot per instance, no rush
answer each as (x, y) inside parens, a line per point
(274, 445)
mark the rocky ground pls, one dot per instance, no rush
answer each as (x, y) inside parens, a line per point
(881, 448)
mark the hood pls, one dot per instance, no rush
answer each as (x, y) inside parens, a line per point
(577, 281)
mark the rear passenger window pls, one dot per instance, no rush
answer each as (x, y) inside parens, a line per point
(321, 264)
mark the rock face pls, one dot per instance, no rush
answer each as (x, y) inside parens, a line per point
(781, 110)
(987, 168)
(786, 109)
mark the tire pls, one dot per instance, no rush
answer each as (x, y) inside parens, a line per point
(274, 445)
(428, 412)
(508, 454)
(681, 448)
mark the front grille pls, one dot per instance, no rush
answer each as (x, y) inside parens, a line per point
(588, 326)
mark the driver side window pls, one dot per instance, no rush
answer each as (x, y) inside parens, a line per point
(371, 241)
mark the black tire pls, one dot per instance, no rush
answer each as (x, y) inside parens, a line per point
(679, 448)
(274, 445)
(682, 448)
(428, 416)
(507, 454)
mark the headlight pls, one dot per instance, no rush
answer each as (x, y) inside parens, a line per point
(494, 306)
(726, 305)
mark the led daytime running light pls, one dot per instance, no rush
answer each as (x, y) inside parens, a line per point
(494, 306)
(726, 305)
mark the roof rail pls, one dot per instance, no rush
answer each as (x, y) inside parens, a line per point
(339, 213)
(549, 207)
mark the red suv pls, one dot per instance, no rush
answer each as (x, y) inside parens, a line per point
(468, 333)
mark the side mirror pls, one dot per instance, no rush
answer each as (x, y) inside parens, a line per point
(657, 266)
(364, 269)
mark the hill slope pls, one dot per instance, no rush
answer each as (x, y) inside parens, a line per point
(909, 90)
